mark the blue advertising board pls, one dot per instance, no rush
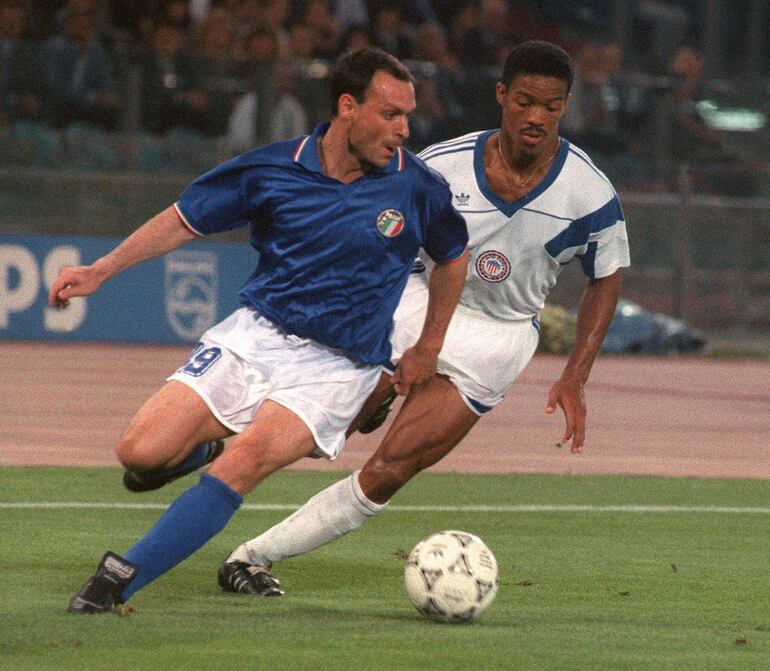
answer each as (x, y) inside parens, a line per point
(170, 299)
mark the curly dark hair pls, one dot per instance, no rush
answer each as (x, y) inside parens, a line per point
(537, 57)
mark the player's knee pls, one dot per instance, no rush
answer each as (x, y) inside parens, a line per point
(135, 453)
(128, 455)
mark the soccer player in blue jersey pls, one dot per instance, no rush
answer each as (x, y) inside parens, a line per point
(533, 201)
(337, 218)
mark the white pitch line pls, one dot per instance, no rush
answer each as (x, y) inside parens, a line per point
(522, 508)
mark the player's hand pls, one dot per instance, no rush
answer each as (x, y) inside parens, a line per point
(417, 365)
(78, 281)
(568, 393)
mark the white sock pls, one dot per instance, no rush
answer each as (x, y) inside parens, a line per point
(330, 514)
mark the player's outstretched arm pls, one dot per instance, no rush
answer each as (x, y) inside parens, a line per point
(158, 236)
(594, 316)
(418, 363)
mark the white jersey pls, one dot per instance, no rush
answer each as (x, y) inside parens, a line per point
(516, 250)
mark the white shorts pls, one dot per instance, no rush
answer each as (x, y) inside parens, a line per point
(482, 356)
(247, 359)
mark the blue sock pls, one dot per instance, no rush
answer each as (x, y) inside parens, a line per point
(192, 462)
(190, 522)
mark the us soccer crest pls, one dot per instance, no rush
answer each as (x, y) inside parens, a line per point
(493, 266)
(390, 223)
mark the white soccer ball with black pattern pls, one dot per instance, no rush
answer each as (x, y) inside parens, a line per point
(451, 576)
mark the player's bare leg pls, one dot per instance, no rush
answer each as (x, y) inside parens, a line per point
(172, 434)
(275, 438)
(432, 420)
(164, 430)
(241, 575)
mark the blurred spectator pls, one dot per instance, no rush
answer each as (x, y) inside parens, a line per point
(215, 81)
(688, 139)
(99, 11)
(318, 16)
(127, 19)
(199, 9)
(46, 17)
(355, 38)
(302, 42)
(482, 44)
(349, 13)
(610, 117)
(19, 82)
(419, 11)
(268, 114)
(390, 31)
(594, 119)
(445, 11)
(467, 17)
(658, 27)
(259, 51)
(433, 47)
(288, 118)
(166, 76)
(215, 38)
(248, 124)
(530, 24)
(248, 16)
(175, 12)
(413, 12)
(275, 17)
(429, 123)
(77, 76)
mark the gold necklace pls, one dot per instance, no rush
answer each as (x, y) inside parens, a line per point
(534, 170)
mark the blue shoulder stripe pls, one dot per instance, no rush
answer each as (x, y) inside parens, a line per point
(579, 231)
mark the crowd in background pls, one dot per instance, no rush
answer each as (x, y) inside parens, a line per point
(248, 71)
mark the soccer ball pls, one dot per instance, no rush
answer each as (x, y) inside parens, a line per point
(451, 576)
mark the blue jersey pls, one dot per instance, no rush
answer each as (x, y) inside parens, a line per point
(333, 258)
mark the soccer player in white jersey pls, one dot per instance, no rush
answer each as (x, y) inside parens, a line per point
(337, 217)
(532, 202)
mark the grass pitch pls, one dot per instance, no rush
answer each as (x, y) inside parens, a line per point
(587, 582)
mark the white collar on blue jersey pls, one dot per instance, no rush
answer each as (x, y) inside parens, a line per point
(306, 153)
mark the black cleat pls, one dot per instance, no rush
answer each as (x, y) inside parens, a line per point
(102, 591)
(243, 578)
(149, 480)
(377, 419)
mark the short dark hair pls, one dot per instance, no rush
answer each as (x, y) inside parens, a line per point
(353, 72)
(537, 57)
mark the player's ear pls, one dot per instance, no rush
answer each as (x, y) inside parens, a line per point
(500, 92)
(346, 106)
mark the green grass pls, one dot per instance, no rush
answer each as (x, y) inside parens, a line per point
(579, 590)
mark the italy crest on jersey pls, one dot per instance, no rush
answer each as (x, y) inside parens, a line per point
(493, 266)
(390, 223)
